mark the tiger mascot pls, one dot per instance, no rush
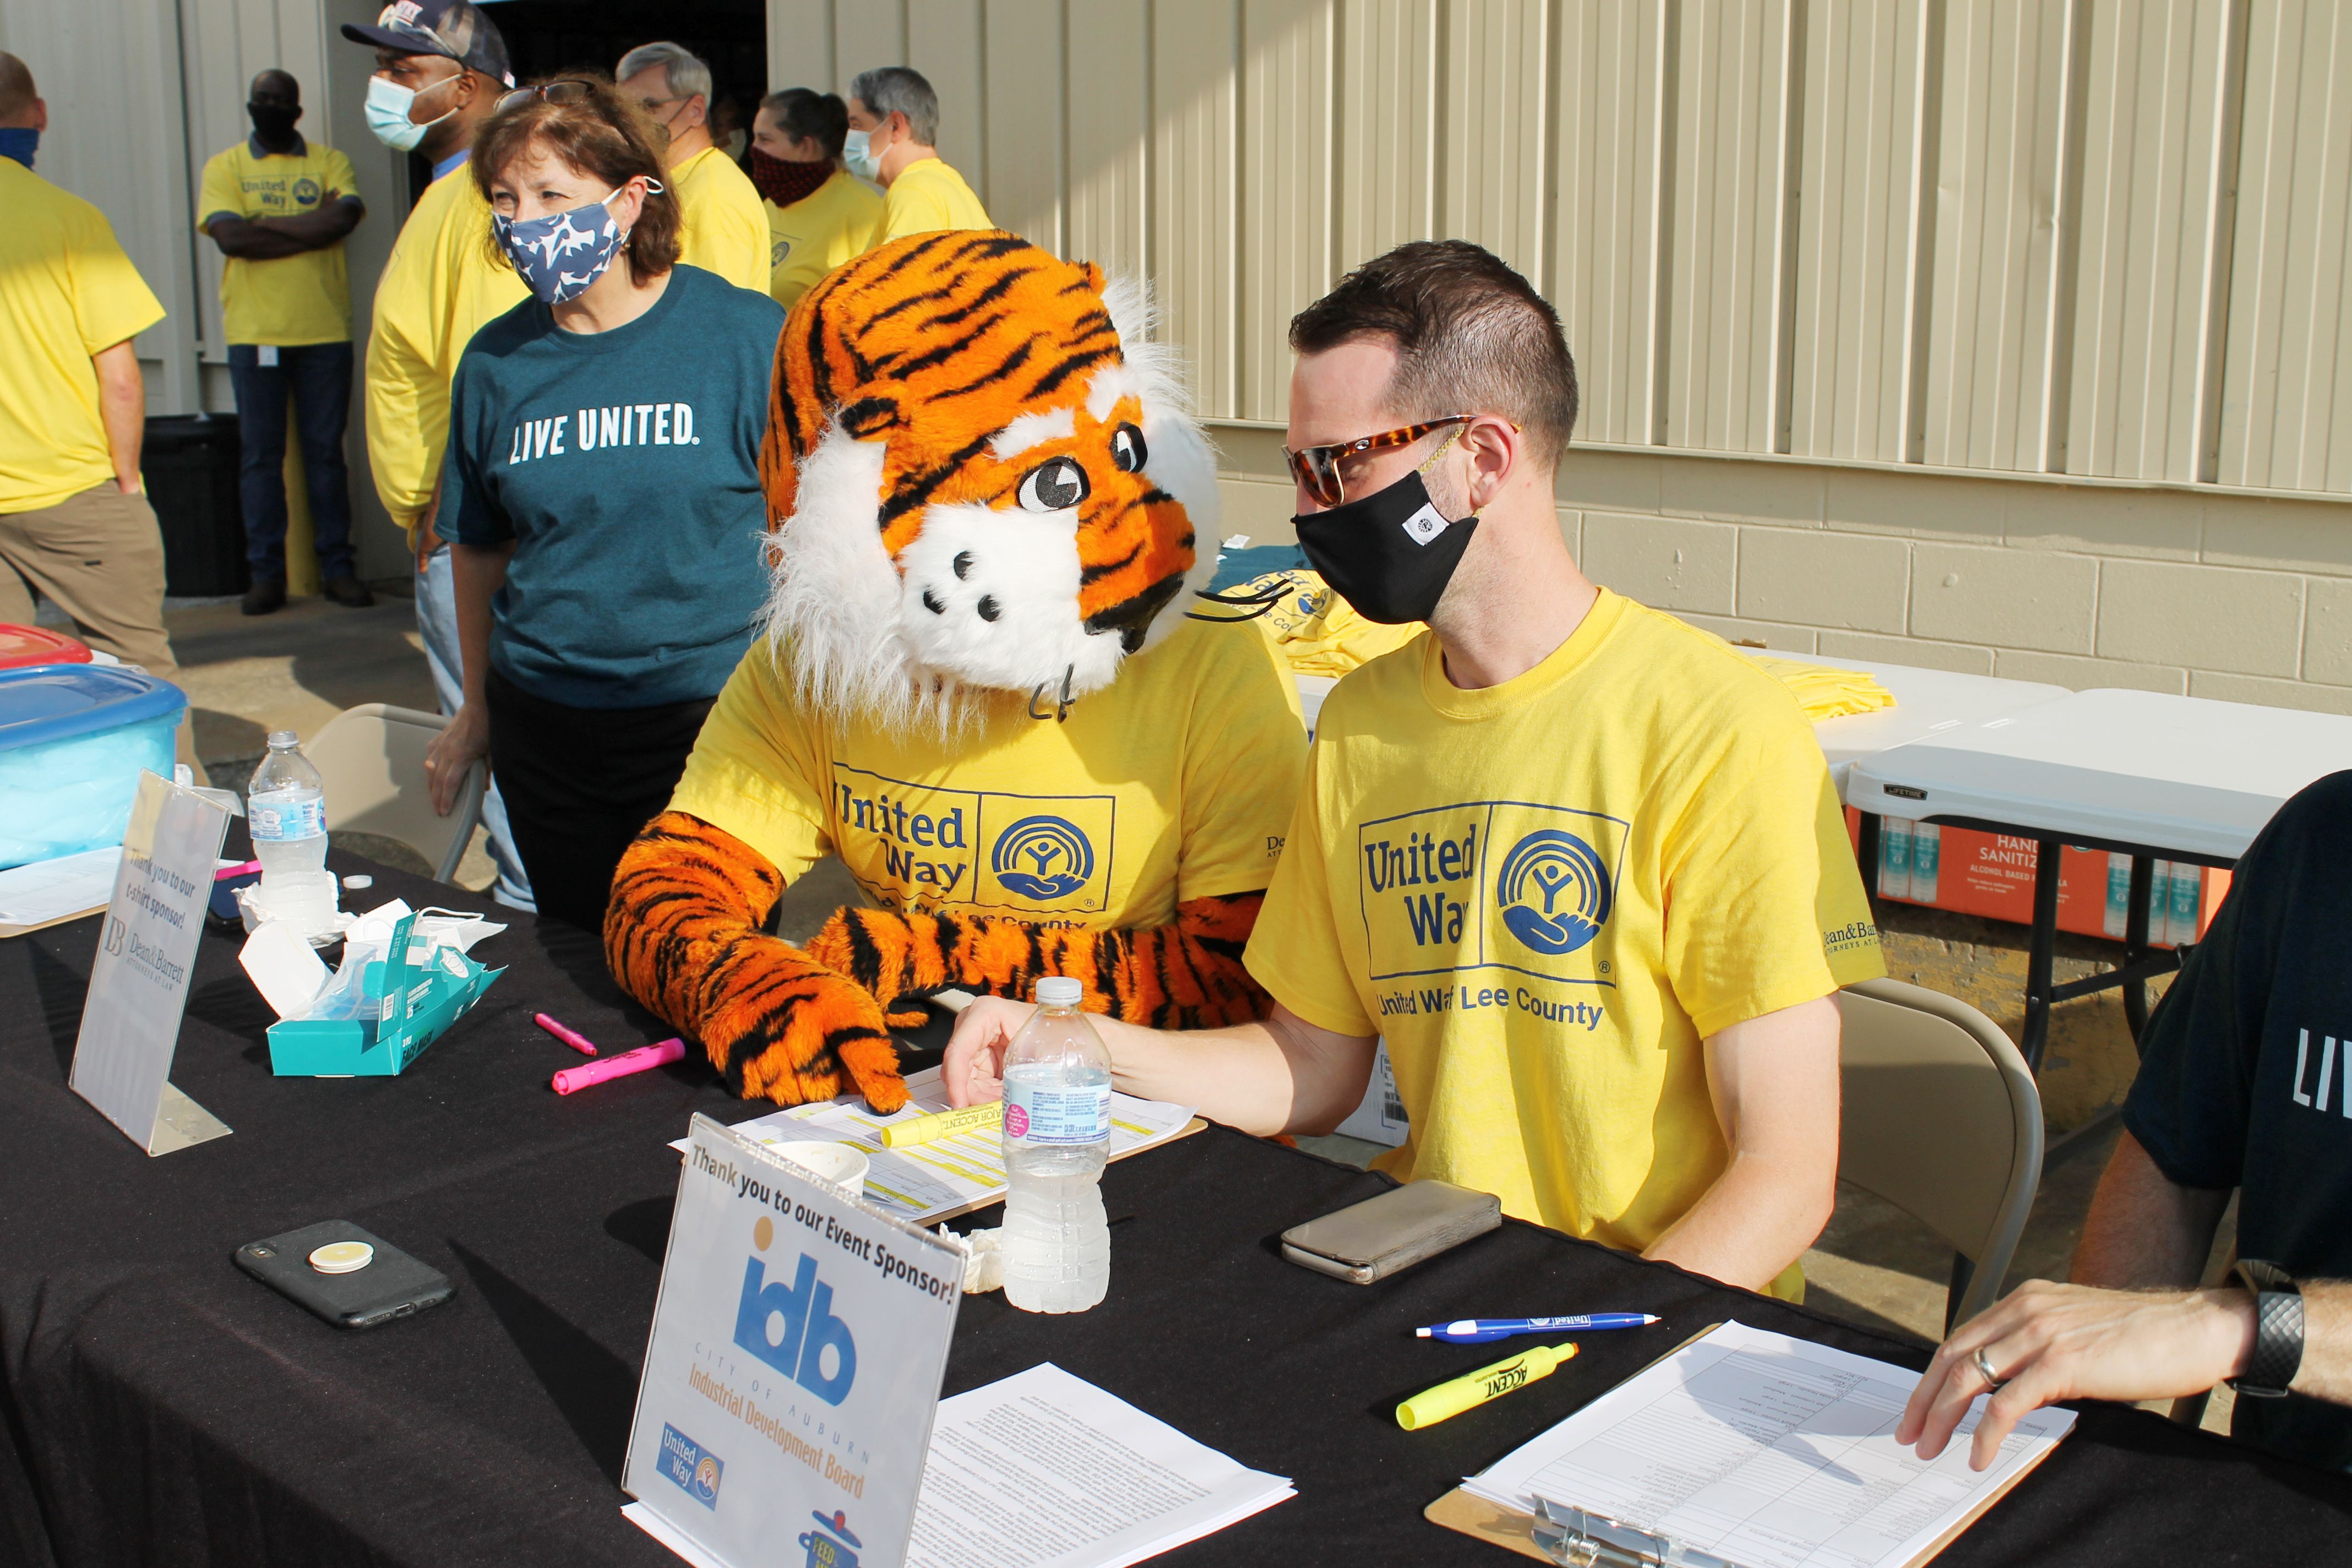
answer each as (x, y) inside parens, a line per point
(978, 686)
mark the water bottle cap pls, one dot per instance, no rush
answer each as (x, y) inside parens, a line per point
(281, 739)
(1059, 990)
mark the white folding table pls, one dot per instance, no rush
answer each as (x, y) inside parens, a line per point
(1926, 702)
(2141, 773)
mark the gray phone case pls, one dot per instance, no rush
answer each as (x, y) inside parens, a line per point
(1382, 1236)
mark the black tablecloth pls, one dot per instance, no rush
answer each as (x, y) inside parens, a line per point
(157, 1406)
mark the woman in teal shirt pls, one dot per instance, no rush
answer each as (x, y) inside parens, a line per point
(602, 494)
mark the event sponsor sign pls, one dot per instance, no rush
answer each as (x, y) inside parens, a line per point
(139, 982)
(795, 1364)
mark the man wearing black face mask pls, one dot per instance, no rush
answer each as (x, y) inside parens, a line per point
(279, 207)
(1579, 864)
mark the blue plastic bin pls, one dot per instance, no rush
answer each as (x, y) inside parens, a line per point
(73, 741)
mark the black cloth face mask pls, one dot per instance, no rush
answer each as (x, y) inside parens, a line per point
(274, 123)
(1390, 553)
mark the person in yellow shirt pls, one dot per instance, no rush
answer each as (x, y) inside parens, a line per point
(75, 525)
(894, 129)
(1580, 864)
(726, 226)
(818, 216)
(279, 206)
(441, 70)
(997, 714)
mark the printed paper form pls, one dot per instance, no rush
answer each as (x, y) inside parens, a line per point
(1044, 1470)
(923, 1181)
(50, 891)
(1767, 1451)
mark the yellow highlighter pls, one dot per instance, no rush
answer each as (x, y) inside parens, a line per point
(1473, 1389)
(944, 1125)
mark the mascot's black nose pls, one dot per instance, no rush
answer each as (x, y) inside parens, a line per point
(1133, 617)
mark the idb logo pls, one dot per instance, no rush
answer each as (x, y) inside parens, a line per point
(830, 1545)
(1042, 857)
(1554, 891)
(790, 1328)
(695, 1468)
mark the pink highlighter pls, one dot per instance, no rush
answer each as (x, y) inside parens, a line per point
(645, 1059)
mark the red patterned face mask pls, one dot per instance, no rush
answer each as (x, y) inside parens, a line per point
(783, 182)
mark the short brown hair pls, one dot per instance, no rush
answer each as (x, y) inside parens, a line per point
(1472, 336)
(602, 134)
(17, 93)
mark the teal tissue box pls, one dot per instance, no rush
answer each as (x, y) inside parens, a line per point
(407, 1006)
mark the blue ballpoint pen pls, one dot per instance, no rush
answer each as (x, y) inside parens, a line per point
(1479, 1331)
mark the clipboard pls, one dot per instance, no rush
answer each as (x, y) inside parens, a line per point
(1466, 1514)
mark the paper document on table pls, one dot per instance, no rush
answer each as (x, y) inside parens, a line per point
(1768, 1451)
(47, 891)
(948, 1175)
(1043, 1470)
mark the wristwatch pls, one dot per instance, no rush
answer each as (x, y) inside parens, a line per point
(2278, 1329)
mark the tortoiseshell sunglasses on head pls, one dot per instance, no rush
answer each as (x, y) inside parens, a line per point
(570, 90)
(1316, 468)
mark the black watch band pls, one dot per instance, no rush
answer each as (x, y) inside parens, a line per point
(2278, 1329)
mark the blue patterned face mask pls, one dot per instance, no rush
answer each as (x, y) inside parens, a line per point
(559, 256)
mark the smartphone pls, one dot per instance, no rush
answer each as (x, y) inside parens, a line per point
(222, 907)
(1383, 1236)
(390, 1284)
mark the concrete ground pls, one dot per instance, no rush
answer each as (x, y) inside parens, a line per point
(1873, 1264)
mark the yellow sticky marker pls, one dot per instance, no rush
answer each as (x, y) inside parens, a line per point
(1473, 1389)
(944, 1125)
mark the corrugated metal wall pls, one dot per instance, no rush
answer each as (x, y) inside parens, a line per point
(2094, 237)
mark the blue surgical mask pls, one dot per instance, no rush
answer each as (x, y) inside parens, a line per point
(857, 154)
(559, 256)
(388, 113)
(17, 141)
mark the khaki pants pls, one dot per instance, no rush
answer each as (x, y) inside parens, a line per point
(99, 557)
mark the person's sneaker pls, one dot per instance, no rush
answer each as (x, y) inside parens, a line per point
(264, 596)
(350, 592)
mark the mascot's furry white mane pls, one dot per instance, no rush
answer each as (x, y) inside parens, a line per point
(996, 486)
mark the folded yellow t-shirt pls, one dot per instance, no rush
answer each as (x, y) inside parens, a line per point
(1824, 692)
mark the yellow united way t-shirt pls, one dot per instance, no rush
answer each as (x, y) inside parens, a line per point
(928, 195)
(67, 291)
(725, 221)
(1176, 781)
(830, 225)
(1546, 894)
(292, 300)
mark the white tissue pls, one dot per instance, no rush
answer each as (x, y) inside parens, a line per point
(288, 975)
(983, 1259)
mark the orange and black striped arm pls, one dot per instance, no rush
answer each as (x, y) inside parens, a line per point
(1187, 976)
(683, 936)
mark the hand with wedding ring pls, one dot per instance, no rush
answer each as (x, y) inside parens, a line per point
(2049, 1342)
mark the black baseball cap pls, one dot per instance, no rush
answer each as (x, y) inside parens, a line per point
(454, 29)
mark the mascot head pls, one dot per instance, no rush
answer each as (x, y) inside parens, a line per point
(982, 478)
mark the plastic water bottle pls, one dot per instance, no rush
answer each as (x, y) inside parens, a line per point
(285, 810)
(1056, 1140)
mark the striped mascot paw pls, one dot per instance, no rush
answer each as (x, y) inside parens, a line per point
(794, 1031)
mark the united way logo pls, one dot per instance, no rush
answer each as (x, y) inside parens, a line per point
(695, 1469)
(1553, 892)
(305, 191)
(1042, 857)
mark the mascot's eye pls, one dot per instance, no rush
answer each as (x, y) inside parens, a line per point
(1127, 450)
(1055, 484)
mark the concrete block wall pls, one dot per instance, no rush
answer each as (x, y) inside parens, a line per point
(2202, 592)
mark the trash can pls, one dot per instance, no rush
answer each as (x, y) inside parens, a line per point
(190, 465)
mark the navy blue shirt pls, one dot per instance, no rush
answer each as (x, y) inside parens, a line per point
(625, 466)
(2245, 1076)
